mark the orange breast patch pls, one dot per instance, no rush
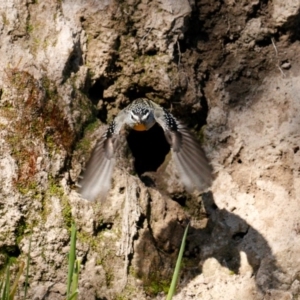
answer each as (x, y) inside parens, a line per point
(139, 127)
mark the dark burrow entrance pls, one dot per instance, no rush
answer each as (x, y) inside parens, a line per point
(149, 148)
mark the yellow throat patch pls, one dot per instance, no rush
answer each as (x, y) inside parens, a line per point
(139, 127)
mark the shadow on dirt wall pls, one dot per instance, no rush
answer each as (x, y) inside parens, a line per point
(223, 237)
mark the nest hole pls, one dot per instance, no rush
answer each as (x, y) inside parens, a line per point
(149, 149)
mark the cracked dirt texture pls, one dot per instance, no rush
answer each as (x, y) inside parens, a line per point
(229, 69)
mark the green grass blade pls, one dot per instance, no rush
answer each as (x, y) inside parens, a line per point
(74, 287)
(73, 296)
(5, 295)
(15, 285)
(27, 268)
(72, 255)
(1, 288)
(177, 267)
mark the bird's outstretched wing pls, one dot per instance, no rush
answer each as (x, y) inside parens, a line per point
(194, 169)
(96, 179)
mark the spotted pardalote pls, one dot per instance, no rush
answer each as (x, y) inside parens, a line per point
(193, 167)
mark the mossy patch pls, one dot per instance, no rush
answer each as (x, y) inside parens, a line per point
(156, 284)
(56, 190)
(38, 123)
(85, 143)
(20, 230)
(67, 212)
(9, 256)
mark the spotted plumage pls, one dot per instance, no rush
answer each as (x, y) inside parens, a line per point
(142, 114)
(170, 121)
(111, 129)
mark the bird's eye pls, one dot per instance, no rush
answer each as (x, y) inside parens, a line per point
(134, 117)
(146, 115)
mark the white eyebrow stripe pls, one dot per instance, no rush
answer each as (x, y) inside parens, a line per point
(144, 117)
(134, 116)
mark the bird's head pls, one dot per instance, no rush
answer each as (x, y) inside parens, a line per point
(141, 119)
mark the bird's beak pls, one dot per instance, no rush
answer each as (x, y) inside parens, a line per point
(139, 127)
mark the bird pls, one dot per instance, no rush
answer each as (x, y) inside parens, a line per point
(194, 169)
